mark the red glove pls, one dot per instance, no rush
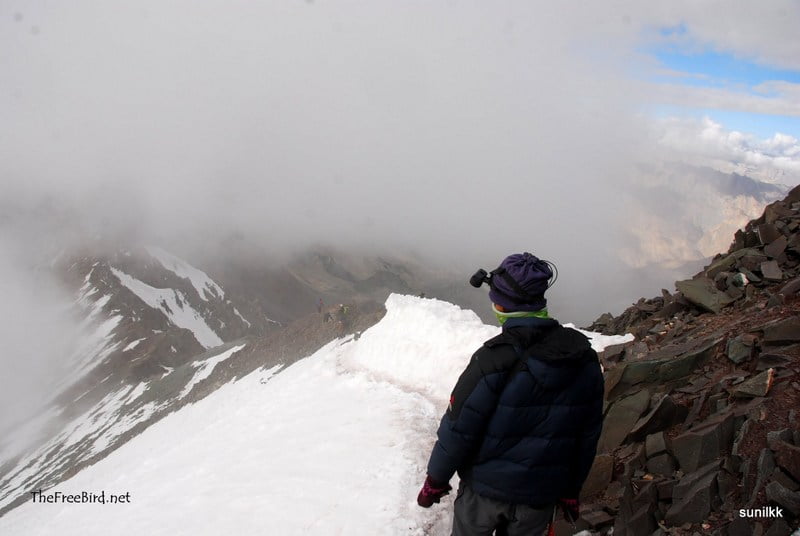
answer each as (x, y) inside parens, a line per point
(571, 508)
(432, 492)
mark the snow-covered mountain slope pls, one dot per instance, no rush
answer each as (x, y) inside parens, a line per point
(151, 326)
(334, 444)
(145, 320)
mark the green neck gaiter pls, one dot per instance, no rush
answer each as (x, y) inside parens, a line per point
(503, 316)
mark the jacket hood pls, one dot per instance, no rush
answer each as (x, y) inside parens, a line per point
(554, 354)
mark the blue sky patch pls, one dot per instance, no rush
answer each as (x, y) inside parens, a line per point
(715, 69)
(698, 67)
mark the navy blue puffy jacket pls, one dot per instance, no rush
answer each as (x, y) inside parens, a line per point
(525, 416)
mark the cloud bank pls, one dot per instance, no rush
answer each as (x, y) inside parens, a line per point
(776, 159)
(462, 131)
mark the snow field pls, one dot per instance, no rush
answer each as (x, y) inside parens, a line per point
(335, 444)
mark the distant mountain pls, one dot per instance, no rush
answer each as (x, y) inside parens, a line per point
(156, 332)
(682, 213)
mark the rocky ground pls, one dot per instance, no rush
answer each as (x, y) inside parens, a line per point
(701, 431)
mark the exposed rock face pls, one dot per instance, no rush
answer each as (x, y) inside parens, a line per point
(720, 360)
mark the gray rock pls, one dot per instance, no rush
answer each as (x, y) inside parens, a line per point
(785, 480)
(782, 496)
(661, 464)
(664, 414)
(658, 329)
(783, 332)
(614, 352)
(646, 496)
(669, 363)
(739, 348)
(727, 484)
(776, 247)
(713, 399)
(779, 527)
(771, 271)
(723, 265)
(704, 443)
(748, 478)
(665, 489)
(597, 519)
(704, 294)
(751, 263)
(599, 475)
(788, 458)
(642, 521)
(743, 431)
(695, 386)
(791, 288)
(764, 468)
(721, 280)
(655, 444)
(693, 501)
(776, 211)
(767, 233)
(758, 385)
(690, 479)
(620, 419)
(776, 300)
(697, 406)
(740, 526)
(775, 437)
(734, 293)
(768, 361)
(634, 464)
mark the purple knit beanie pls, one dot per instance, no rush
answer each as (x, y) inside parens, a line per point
(519, 283)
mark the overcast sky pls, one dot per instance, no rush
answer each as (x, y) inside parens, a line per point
(453, 124)
(468, 130)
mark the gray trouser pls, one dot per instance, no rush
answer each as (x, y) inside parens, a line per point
(481, 516)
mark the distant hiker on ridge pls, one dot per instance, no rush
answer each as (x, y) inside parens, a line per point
(525, 416)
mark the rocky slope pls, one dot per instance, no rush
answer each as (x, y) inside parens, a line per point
(701, 433)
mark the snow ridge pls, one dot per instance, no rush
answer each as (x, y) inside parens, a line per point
(175, 305)
(204, 285)
(206, 367)
(335, 444)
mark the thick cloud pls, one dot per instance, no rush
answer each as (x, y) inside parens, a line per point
(761, 32)
(463, 131)
(439, 127)
(775, 159)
